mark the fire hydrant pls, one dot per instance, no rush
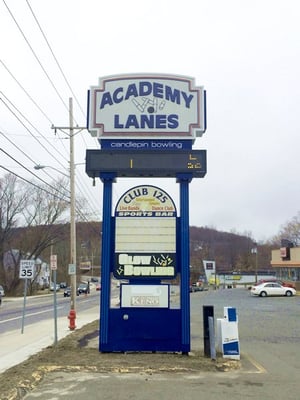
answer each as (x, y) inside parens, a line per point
(72, 318)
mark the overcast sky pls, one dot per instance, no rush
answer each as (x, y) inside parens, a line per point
(245, 53)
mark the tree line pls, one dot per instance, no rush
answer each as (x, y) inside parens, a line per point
(33, 220)
(35, 223)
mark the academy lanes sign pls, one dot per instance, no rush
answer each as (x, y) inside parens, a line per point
(146, 106)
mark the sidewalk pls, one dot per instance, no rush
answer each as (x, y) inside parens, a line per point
(18, 347)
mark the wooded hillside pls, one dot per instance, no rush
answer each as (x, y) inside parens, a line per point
(231, 251)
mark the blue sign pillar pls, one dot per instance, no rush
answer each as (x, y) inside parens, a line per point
(107, 179)
(184, 180)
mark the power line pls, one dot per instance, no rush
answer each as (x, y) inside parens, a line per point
(35, 55)
(14, 114)
(49, 79)
(84, 193)
(83, 217)
(33, 184)
(26, 155)
(57, 63)
(26, 92)
(28, 170)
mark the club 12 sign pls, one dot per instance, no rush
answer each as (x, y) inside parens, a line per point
(146, 105)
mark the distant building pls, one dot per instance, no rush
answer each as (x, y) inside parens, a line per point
(286, 262)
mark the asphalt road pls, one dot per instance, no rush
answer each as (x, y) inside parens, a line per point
(269, 331)
(39, 308)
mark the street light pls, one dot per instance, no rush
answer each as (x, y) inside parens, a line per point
(254, 251)
(39, 166)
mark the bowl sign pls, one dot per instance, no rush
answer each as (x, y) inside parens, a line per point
(146, 106)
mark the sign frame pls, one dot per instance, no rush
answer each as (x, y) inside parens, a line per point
(149, 251)
(27, 269)
(53, 262)
(145, 296)
(146, 105)
(72, 269)
(146, 163)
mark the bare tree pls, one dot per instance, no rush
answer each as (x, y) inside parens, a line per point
(39, 209)
(44, 209)
(290, 231)
(12, 202)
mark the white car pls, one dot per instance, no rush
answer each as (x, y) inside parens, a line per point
(272, 289)
(52, 287)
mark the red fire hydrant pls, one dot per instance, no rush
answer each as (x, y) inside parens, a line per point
(72, 318)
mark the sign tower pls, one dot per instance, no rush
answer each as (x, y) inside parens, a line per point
(146, 125)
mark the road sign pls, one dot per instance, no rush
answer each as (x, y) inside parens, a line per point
(27, 269)
(53, 262)
(72, 269)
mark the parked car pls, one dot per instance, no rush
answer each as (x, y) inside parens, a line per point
(274, 280)
(52, 287)
(98, 286)
(63, 285)
(272, 289)
(194, 287)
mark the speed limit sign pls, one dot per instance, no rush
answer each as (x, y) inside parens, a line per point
(26, 269)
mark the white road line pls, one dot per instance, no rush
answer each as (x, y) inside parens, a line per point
(29, 315)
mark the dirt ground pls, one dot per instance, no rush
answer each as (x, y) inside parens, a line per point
(79, 352)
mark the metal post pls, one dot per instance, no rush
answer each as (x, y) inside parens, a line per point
(72, 210)
(254, 251)
(256, 266)
(184, 180)
(107, 179)
(55, 307)
(24, 306)
(208, 311)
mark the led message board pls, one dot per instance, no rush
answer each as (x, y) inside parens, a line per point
(146, 163)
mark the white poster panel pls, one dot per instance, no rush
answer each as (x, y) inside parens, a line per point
(145, 234)
(145, 296)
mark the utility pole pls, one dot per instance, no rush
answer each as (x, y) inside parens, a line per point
(72, 212)
(71, 133)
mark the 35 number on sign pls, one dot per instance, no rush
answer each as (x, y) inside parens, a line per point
(26, 269)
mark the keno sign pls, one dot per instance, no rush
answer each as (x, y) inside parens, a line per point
(140, 106)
